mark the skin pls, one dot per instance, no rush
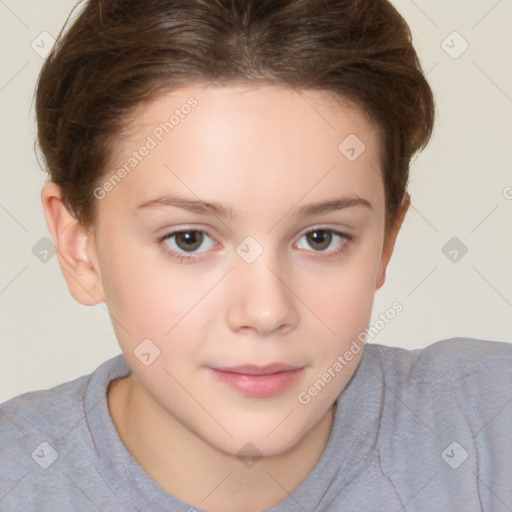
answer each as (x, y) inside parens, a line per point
(264, 151)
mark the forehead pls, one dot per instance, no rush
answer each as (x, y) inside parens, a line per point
(319, 118)
(238, 142)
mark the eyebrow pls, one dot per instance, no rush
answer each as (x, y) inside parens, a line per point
(214, 208)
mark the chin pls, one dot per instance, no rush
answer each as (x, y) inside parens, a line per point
(256, 442)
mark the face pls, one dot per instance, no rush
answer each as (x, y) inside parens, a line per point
(259, 276)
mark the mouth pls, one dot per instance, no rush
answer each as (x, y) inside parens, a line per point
(251, 369)
(258, 381)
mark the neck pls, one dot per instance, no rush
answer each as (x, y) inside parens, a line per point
(196, 472)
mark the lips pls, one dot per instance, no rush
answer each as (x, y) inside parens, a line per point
(258, 381)
(252, 369)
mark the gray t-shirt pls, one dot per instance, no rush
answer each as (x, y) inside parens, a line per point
(415, 430)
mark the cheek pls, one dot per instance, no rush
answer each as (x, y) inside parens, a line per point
(343, 300)
(347, 290)
(151, 297)
(141, 294)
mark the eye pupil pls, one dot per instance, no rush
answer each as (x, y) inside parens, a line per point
(192, 240)
(322, 236)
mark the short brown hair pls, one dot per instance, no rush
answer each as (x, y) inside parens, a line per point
(117, 54)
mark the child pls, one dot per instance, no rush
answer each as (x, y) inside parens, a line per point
(198, 152)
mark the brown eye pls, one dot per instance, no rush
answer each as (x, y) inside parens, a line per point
(327, 241)
(189, 240)
(319, 239)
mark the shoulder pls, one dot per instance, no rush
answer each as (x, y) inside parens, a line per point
(53, 409)
(42, 409)
(461, 381)
(446, 361)
(451, 386)
(46, 440)
(49, 415)
(32, 426)
(441, 407)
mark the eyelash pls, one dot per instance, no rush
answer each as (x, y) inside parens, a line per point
(185, 258)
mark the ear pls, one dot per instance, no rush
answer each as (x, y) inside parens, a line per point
(76, 250)
(389, 241)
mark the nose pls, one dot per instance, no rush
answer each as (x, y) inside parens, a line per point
(261, 298)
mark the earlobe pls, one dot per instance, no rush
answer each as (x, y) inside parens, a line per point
(389, 242)
(75, 248)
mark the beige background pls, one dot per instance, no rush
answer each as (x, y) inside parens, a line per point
(461, 186)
